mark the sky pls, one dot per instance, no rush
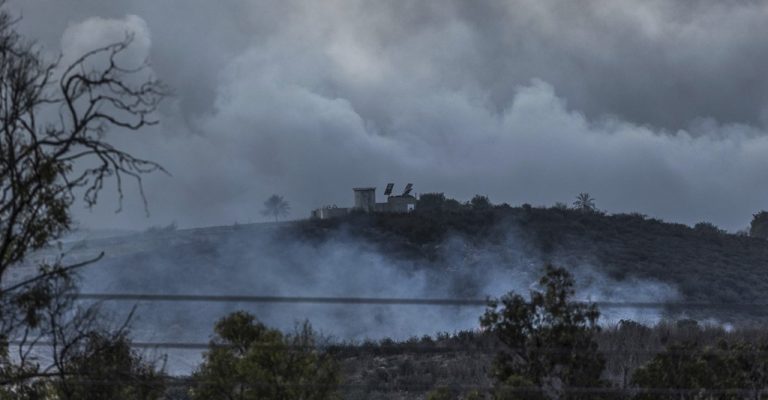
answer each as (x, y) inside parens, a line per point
(658, 107)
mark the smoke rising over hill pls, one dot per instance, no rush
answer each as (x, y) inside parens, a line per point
(263, 261)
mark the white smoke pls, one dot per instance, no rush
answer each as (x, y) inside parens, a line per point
(262, 262)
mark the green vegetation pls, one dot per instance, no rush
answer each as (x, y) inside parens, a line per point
(548, 342)
(759, 226)
(725, 371)
(54, 150)
(705, 263)
(585, 203)
(437, 202)
(249, 361)
(275, 206)
(105, 367)
(480, 203)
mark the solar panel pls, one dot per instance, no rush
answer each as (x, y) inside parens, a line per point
(389, 188)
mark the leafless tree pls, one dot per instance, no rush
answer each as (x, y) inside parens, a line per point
(53, 151)
(44, 162)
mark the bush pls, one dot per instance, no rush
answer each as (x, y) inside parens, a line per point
(248, 360)
(695, 372)
(430, 202)
(480, 202)
(548, 343)
(759, 225)
(708, 228)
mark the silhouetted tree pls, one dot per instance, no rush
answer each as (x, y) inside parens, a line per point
(53, 147)
(452, 205)
(437, 202)
(53, 117)
(103, 366)
(276, 207)
(708, 228)
(84, 360)
(759, 225)
(480, 202)
(249, 361)
(548, 343)
(584, 202)
(430, 202)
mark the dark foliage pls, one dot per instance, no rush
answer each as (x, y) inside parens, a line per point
(706, 265)
(548, 342)
(480, 203)
(53, 147)
(759, 226)
(249, 361)
(690, 371)
(457, 366)
(275, 206)
(105, 367)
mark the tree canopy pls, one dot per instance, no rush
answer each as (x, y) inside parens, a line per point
(54, 150)
(248, 360)
(759, 225)
(547, 341)
(585, 202)
(480, 202)
(276, 206)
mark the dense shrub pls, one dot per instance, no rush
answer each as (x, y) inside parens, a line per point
(759, 226)
(547, 341)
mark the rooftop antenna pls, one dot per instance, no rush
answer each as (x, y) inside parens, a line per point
(408, 189)
(389, 188)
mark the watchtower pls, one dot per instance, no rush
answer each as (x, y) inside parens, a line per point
(365, 199)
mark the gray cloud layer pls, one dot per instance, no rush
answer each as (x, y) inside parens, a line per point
(659, 106)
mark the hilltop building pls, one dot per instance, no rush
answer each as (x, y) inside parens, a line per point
(365, 201)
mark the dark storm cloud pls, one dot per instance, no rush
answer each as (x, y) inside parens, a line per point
(657, 106)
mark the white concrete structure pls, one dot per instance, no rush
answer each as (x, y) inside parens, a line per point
(365, 201)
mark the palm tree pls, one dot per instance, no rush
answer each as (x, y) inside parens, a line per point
(276, 206)
(584, 202)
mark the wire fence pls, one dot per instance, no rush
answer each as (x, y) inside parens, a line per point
(456, 302)
(378, 348)
(193, 382)
(411, 347)
(374, 301)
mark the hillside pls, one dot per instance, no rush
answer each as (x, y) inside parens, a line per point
(458, 254)
(706, 264)
(450, 254)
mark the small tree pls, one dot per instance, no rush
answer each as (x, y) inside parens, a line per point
(431, 202)
(759, 225)
(480, 202)
(708, 228)
(103, 366)
(584, 202)
(547, 342)
(276, 207)
(248, 361)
